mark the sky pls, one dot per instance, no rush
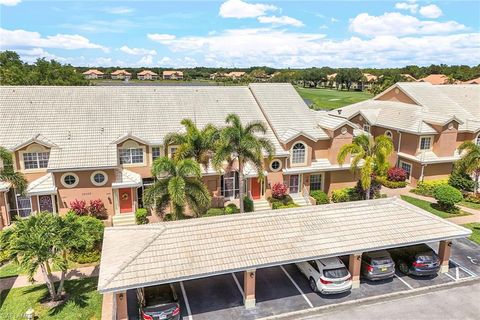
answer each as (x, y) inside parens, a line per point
(241, 33)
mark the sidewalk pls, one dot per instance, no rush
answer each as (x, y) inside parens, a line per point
(474, 217)
(22, 280)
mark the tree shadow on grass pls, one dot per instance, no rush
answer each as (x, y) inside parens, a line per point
(77, 292)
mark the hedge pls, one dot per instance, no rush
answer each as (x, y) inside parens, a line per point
(231, 208)
(426, 188)
(345, 195)
(391, 184)
(214, 212)
(285, 202)
(141, 216)
(247, 204)
(320, 197)
(447, 196)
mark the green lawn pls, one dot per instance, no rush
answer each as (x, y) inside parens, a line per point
(470, 205)
(328, 99)
(475, 227)
(84, 303)
(430, 207)
(13, 269)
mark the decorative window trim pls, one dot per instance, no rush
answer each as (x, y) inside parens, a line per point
(477, 139)
(32, 148)
(92, 178)
(69, 186)
(420, 142)
(170, 150)
(279, 168)
(388, 134)
(366, 125)
(411, 168)
(151, 152)
(138, 164)
(322, 180)
(305, 161)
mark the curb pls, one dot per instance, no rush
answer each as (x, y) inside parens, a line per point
(372, 300)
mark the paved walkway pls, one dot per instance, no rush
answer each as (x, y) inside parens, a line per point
(22, 280)
(474, 217)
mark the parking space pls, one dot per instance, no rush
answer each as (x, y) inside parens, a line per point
(284, 289)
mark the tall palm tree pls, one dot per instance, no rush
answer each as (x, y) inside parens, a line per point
(374, 153)
(470, 161)
(8, 173)
(241, 143)
(179, 184)
(194, 143)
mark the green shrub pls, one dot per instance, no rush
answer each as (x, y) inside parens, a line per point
(285, 202)
(85, 257)
(390, 184)
(320, 197)
(231, 208)
(447, 196)
(461, 180)
(247, 204)
(214, 212)
(426, 188)
(5, 254)
(141, 216)
(345, 195)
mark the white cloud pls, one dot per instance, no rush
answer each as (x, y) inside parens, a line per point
(146, 60)
(31, 55)
(410, 6)
(281, 48)
(431, 11)
(102, 26)
(394, 23)
(333, 20)
(178, 62)
(159, 37)
(10, 2)
(102, 62)
(17, 39)
(137, 51)
(282, 20)
(119, 10)
(241, 9)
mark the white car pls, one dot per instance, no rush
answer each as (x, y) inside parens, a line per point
(327, 276)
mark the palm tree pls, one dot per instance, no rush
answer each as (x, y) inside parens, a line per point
(8, 173)
(374, 153)
(470, 161)
(179, 184)
(194, 143)
(241, 143)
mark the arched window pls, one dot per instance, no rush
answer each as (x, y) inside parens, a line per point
(389, 134)
(298, 153)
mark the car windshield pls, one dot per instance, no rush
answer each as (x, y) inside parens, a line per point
(425, 257)
(380, 261)
(159, 295)
(335, 273)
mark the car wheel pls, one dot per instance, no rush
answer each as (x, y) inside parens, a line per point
(402, 266)
(313, 285)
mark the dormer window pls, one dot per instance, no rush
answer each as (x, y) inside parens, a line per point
(35, 160)
(299, 152)
(425, 143)
(131, 155)
(366, 128)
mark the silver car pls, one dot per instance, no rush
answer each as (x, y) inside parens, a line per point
(377, 265)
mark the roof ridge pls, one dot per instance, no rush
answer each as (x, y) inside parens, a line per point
(134, 255)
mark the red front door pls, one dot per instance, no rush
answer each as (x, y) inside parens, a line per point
(126, 201)
(256, 188)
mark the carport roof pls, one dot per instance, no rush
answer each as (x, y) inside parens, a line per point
(147, 255)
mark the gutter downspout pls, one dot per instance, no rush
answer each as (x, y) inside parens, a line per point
(398, 148)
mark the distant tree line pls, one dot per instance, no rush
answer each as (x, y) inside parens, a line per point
(13, 71)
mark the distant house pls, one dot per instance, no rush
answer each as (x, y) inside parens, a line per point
(408, 77)
(172, 75)
(120, 75)
(147, 75)
(93, 74)
(438, 79)
(235, 74)
(473, 81)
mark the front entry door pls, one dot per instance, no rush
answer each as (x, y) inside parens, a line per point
(126, 201)
(45, 202)
(294, 183)
(256, 188)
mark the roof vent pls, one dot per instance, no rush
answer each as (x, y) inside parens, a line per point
(339, 111)
(69, 135)
(102, 130)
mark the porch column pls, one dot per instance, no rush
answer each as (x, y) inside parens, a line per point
(249, 288)
(107, 307)
(116, 201)
(354, 264)
(444, 254)
(121, 303)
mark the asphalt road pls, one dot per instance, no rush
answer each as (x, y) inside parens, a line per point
(450, 303)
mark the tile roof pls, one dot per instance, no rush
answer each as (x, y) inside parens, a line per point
(172, 72)
(147, 72)
(93, 71)
(83, 123)
(126, 179)
(43, 185)
(435, 79)
(4, 186)
(146, 255)
(118, 72)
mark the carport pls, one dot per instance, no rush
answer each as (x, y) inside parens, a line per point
(141, 256)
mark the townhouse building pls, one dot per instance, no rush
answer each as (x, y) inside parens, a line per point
(147, 75)
(93, 74)
(87, 143)
(120, 75)
(426, 122)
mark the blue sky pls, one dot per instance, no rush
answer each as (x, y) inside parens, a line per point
(237, 33)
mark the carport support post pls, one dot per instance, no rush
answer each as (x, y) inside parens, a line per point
(249, 288)
(354, 263)
(121, 303)
(444, 254)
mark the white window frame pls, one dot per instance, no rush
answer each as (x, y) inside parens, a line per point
(131, 164)
(159, 154)
(305, 155)
(420, 142)
(170, 154)
(322, 180)
(69, 186)
(279, 168)
(17, 208)
(477, 139)
(33, 148)
(388, 134)
(366, 127)
(99, 184)
(408, 164)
